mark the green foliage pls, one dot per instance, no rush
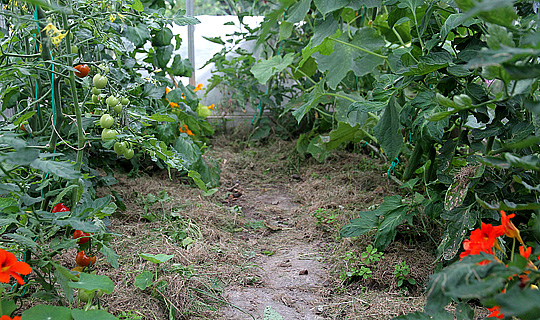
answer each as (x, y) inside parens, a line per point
(402, 273)
(52, 139)
(359, 267)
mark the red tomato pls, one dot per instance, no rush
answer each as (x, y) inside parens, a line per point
(83, 260)
(82, 70)
(80, 234)
(60, 208)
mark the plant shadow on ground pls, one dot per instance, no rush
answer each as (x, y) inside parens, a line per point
(245, 240)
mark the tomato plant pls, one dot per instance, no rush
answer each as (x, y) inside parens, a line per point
(83, 260)
(82, 70)
(82, 236)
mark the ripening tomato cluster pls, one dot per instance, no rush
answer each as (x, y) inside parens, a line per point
(82, 259)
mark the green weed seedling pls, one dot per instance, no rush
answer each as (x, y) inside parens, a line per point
(402, 273)
(323, 217)
(359, 267)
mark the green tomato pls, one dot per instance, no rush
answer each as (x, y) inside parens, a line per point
(125, 101)
(129, 153)
(105, 68)
(99, 81)
(111, 101)
(96, 90)
(95, 98)
(106, 121)
(120, 148)
(203, 111)
(108, 134)
(74, 49)
(86, 295)
(118, 108)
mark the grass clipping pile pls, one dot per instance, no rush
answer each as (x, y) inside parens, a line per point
(187, 285)
(190, 284)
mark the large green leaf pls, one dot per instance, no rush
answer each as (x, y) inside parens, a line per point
(524, 303)
(325, 6)
(367, 221)
(22, 157)
(500, 12)
(110, 255)
(42, 312)
(156, 258)
(313, 99)
(162, 37)
(93, 282)
(387, 130)
(60, 169)
(138, 34)
(323, 30)
(163, 55)
(298, 11)
(144, 280)
(344, 133)
(387, 229)
(351, 56)
(265, 69)
(92, 315)
(433, 61)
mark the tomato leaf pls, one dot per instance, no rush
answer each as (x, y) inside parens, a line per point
(387, 130)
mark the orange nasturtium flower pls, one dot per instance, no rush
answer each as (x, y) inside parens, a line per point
(495, 312)
(525, 253)
(198, 87)
(9, 266)
(510, 229)
(173, 104)
(9, 318)
(211, 107)
(186, 130)
(482, 240)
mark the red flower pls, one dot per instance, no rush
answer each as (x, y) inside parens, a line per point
(9, 266)
(482, 240)
(525, 252)
(495, 312)
(9, 318)
(510, 229)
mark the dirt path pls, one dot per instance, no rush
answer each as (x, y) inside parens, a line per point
(289, 274)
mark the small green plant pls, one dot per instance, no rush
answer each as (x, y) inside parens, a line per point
(268, 252)
(402, 273)
(360, 266)
(130, 315)
(323, 217)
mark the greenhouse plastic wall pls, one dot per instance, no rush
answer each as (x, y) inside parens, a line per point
(214, 26)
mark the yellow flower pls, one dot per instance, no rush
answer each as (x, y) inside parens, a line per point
(55, 34)
(167, 90)
(211, 107)
(198, 87)
(121, 16)
(58, 39)
(112, 17)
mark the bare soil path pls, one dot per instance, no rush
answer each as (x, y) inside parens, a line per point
(290, 276)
